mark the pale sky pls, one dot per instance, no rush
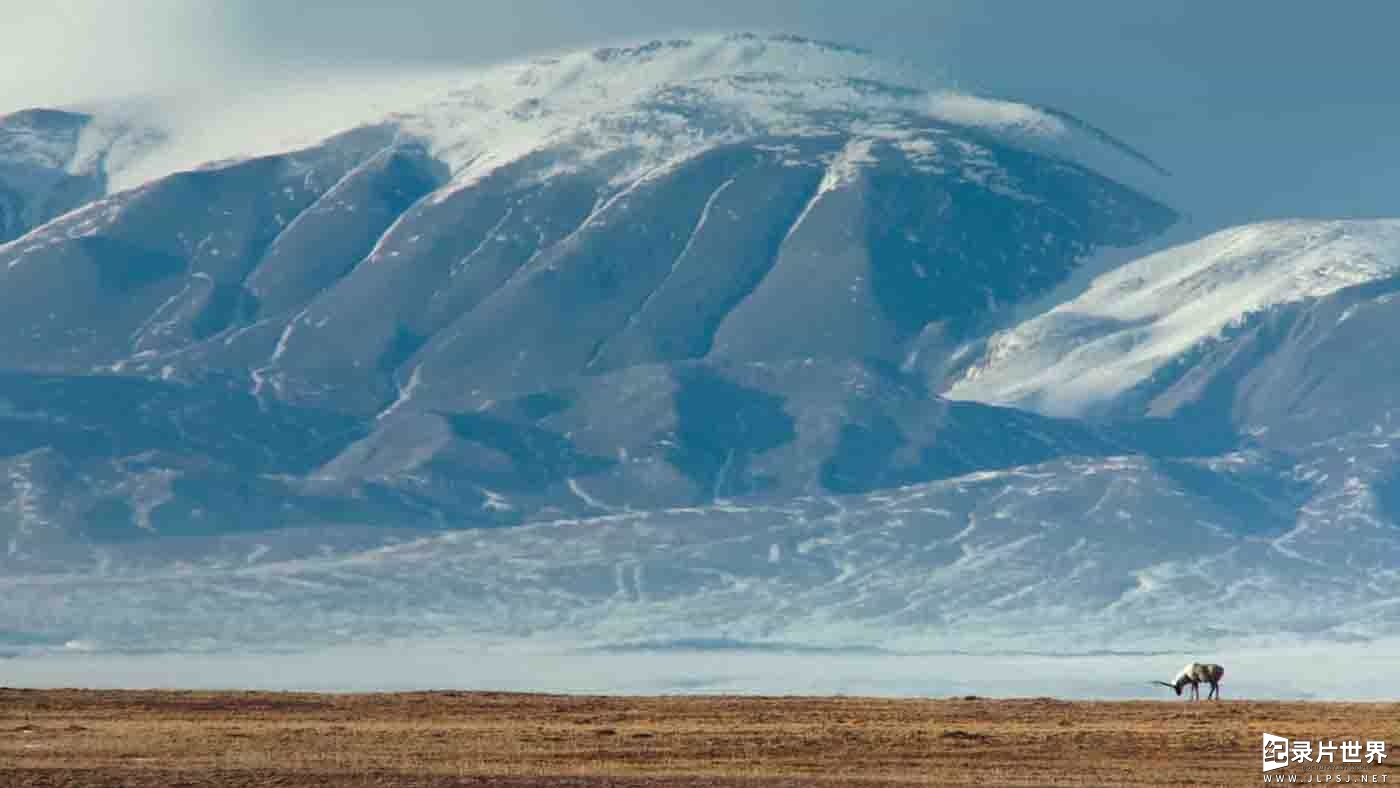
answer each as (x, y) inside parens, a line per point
(1266, 109)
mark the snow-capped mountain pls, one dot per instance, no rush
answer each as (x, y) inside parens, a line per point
(475, 285)
(681, 316)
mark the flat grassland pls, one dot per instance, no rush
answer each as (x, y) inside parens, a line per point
(97, 739)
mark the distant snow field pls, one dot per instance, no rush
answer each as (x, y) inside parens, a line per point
(1286, 672)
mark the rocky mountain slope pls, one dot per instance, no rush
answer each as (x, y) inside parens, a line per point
(588, 272)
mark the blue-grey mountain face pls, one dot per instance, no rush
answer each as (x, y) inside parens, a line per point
(714, 286)
(672, 297)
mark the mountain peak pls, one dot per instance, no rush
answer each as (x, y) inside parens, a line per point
(666, 100)
(657, 100)
(748, 45)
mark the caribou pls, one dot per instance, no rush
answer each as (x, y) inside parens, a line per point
(1194, 674)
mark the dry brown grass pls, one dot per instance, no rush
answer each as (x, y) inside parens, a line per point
(97, 739)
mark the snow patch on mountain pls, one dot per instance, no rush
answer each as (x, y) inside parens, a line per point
(1133, 321)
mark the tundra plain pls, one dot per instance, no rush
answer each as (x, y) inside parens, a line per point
(108, 738)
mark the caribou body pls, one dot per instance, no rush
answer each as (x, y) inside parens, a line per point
(1194, 674)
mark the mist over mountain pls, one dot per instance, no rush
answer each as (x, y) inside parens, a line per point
(711, 338)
